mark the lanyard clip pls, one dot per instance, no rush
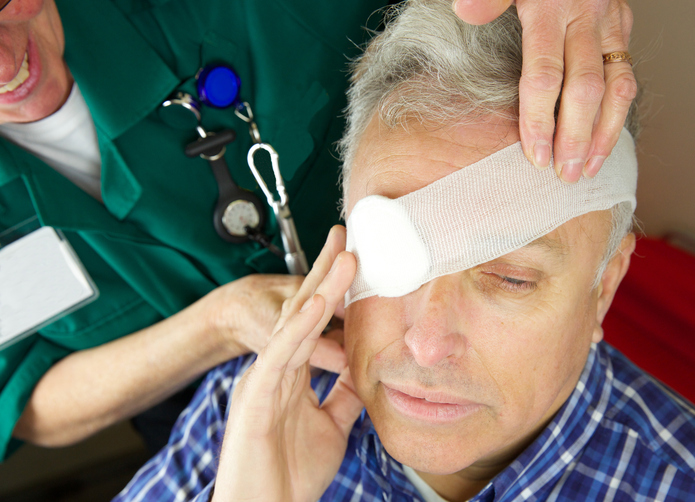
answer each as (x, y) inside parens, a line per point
(294, 255)
(244, 112)
(279, 182)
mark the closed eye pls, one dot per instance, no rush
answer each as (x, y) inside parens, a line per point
(513, 281)
(515, 285)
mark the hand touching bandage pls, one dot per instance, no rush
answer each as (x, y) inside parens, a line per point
(563, 45)
(281, 443)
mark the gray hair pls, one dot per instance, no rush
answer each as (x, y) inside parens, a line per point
(429, 66)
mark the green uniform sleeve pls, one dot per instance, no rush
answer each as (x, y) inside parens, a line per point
(21, 366)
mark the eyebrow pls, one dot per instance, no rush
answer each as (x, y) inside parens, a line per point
(556, 247)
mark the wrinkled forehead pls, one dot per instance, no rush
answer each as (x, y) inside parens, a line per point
(472, 215)
(396, 161)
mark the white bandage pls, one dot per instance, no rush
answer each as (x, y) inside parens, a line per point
(472, 216)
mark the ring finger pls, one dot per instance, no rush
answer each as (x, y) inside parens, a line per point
(621, 88)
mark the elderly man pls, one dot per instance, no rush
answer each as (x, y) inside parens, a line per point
(472, 320)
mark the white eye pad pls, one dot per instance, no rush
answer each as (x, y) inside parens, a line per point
(472, 216)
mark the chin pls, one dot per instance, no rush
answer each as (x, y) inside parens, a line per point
(49, 101)
(440, 458)
(432, 449)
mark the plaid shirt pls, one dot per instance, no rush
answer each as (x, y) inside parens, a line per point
(620, 436)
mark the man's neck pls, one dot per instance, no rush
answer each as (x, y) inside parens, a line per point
(466, 483)
(455, 487)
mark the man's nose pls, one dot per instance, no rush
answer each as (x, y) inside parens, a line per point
(435, 328)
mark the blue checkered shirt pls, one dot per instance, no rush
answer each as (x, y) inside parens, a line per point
(620, 436)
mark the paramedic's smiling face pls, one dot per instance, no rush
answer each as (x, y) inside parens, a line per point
(34, 79)
(497, 349)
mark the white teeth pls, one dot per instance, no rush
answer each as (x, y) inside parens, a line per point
(19, 79)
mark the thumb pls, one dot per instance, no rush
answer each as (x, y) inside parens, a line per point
(480, 11)
(343, 404)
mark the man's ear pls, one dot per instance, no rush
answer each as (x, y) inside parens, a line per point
(610, 280)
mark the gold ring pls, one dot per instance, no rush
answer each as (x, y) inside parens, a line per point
(617, 57)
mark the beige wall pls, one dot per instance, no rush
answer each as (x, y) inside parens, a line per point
(664, 35)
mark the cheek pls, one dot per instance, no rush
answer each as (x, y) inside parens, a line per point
(48, 28)
(371, 325)
(540, 354)
(24, 10)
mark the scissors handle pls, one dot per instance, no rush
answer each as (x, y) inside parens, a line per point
(294, 254)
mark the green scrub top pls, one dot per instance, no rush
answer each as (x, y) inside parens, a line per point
(151, 247)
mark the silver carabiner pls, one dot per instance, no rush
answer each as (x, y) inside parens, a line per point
(279, 182)
(294, 255)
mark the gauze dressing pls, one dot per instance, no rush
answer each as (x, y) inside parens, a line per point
(474, 215)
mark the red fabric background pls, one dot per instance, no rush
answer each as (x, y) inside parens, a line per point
(652, 319)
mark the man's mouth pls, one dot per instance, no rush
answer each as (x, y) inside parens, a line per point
(428, 406)
(18, 79)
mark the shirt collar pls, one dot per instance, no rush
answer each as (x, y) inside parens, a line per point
(370, 450)
(567, 434)
(386, 472)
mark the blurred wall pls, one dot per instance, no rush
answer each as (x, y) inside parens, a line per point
(663, 38)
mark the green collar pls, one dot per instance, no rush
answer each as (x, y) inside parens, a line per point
(121, 77)
(61, 204)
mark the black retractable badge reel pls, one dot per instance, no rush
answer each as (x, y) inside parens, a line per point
(239, 214)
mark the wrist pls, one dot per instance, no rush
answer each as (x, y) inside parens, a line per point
(214, 328)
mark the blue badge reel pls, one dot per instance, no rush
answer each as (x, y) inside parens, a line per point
(218, 86)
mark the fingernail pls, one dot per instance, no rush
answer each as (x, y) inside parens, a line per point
(593, 166)
(335, 265)
(328, 239)
(571, 171)
(307, 304)
(541, 155)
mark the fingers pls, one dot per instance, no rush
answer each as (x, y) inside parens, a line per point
(332, 288)
(335, 243)
(582, 94)
(566, 40)
(480, 11)
(274, 360)
(343, 404)
(542, 73)
(328, 355)
(340, 311)
(621, 89)
(293, 344)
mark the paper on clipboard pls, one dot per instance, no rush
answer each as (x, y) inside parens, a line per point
(41, 279)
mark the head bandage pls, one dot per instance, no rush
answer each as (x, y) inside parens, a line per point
(472, 216)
